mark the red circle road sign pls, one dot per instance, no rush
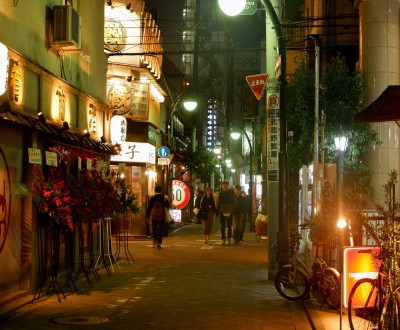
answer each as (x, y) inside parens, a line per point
(180, 194)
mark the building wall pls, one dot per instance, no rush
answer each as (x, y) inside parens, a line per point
(44, 76)
(27, 33)
(11, 155)
(380, 64)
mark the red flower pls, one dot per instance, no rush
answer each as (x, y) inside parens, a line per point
(52, 197)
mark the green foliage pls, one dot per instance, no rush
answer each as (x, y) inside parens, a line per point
(202, 163)
(340, 96)
(128, 199)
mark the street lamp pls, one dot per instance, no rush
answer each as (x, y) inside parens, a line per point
(189, 104)
(232, 8)
(236, 135)
(283, 159)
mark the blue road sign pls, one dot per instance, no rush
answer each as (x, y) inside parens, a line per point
(163, 152)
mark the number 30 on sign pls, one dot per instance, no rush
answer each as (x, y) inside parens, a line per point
(180, 194)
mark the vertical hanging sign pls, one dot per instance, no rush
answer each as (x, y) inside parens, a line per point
(272, 136)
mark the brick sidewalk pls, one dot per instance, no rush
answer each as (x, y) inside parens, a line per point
(185, 285)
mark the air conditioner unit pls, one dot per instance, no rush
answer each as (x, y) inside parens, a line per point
(66, 28)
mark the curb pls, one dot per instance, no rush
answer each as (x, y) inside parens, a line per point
(312, 316)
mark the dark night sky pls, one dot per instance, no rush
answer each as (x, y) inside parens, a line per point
(246, 31)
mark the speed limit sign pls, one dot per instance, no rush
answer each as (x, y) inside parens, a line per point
(180, 194)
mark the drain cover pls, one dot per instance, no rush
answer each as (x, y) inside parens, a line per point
(80, 320)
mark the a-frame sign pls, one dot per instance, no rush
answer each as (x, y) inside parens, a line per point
(257, 84)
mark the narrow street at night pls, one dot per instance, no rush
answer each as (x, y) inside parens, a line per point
(184, 285)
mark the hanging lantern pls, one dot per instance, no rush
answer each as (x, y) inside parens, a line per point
(118, 129)
(3, 68)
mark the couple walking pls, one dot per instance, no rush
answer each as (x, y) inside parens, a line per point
(230, 207)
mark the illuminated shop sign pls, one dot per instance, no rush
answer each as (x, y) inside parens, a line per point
(118, 129)
(136, 152)
(129, 99)
(3, 68)
(359, 262)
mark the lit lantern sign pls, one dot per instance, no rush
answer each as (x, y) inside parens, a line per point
(118, 129)
(3, 68)
(358, 263)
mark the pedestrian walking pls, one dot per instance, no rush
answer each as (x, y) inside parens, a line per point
(207, 211)
(156, 215)
(197, 200)
(225, 208)
(248, 216)
(238, 215)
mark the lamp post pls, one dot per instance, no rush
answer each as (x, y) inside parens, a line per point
(283, 159)
(235, 136)
(341, 224)
(189, 104)
(341, 145)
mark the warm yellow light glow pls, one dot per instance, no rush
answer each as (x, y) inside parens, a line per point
(341, 223)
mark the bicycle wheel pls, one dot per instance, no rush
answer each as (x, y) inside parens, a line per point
(292, 285)
(331, 289)
(363, 305)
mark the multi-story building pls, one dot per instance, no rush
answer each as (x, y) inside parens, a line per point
(70, 95)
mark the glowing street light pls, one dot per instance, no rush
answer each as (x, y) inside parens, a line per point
(283, 158)
(232, 8)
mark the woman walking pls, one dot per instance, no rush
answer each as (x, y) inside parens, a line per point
(207, 210)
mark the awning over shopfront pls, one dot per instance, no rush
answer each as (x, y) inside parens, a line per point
(53, 131)
(385, 108)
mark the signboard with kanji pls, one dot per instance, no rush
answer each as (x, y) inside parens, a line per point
(257, 84)
(250, 8)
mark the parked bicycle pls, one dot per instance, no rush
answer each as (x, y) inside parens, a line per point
(294, 280)
(375, 303)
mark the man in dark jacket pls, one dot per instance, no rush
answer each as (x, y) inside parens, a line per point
(225, 208)
(156, 215)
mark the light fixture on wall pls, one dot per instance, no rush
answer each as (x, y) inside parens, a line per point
(109, 3)
(65, 126)
(129, 78)
(103, 139)
(42, 118)
(86, 133)
(128, 6)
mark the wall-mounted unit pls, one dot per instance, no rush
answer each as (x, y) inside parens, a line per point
(66, 29)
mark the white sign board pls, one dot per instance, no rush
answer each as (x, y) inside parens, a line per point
(136, 152)
(51, 159)
(163, 161)
(34, 155)
(89, 164)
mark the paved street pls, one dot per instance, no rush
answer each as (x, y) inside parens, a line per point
(185, 285)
